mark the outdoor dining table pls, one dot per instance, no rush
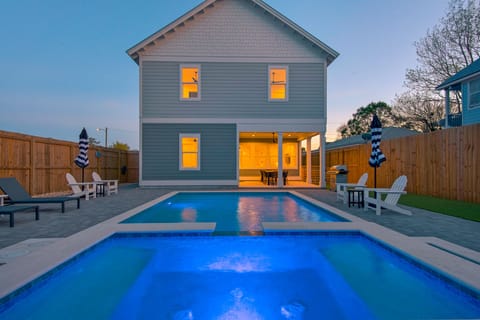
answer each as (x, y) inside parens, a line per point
(270, 176)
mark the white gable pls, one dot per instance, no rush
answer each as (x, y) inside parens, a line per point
(233, 30)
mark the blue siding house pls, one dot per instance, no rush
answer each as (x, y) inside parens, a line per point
(230, 88)
(467, 81)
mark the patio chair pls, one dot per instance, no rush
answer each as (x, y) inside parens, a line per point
(17, 194)
(342, 188)
(390, 202)
(111, 186)
(81, 189)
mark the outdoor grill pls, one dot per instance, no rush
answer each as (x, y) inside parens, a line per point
(337, 174)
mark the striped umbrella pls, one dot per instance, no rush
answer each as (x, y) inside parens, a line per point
(82, 159)
(377, 157)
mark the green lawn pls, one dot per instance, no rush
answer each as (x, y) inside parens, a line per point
(465, 210)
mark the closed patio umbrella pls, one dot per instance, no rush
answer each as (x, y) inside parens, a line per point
(376, 157)
(82, 159)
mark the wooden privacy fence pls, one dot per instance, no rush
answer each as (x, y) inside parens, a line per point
(442, 164)
(40, 164)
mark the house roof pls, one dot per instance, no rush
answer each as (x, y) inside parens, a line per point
(466, 73)
(133, 52)
(388, 133)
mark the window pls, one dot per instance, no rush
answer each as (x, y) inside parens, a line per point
(189, 82)
(278, 83)
(474, 96)
(189, 152)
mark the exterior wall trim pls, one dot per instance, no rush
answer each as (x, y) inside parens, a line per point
(156, 183)
(291, 122)
(196, 59)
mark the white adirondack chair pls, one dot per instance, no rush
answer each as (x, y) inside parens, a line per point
(87, 189)
(343, 187)
(390, 202)
(110, 186)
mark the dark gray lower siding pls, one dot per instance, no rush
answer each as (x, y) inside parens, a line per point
(160, 154)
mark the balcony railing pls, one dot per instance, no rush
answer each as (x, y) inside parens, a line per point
(454, 120)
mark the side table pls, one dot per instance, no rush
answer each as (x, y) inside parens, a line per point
(356, 197)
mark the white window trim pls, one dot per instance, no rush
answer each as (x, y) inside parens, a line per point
(270, 67)
(199, 81)
(470, 106)
(180, 152)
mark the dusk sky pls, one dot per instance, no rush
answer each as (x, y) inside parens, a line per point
(63, 64)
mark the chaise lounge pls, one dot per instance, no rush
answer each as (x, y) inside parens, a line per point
(18, 194)
(12, 209)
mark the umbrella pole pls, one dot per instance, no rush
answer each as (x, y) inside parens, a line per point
(83, 175)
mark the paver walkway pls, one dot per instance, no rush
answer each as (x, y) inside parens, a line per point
(54, 224)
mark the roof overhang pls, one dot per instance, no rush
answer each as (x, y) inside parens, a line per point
(134, 52)
(469, 72)
(455, 85)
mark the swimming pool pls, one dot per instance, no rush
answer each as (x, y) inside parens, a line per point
(333, 275)
(234, 211)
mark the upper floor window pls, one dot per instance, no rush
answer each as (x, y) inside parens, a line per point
(189, 151)
(278, 83)
(190, 82)
(474, 94)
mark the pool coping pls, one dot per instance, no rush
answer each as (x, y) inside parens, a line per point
(23, 270)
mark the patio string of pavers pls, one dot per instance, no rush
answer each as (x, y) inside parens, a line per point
(54, 224)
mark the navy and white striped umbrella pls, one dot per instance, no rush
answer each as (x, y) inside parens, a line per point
(376, 157)
(82, 159)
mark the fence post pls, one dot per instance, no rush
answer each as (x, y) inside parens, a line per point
(32, 170)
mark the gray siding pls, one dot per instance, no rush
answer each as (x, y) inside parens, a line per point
(233, 90)
(160, 154)
(234, 29)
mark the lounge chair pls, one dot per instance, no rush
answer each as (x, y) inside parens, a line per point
(111, 186)
(390, 202)
(82, 189)
(17, 194)
(10, 210)
(343, 187)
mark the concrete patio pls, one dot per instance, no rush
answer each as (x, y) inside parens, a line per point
(54, 224)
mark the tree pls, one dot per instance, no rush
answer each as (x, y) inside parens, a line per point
(92, 141)
(414, 111)
(360, 122)
(120, 146)
(446, 49)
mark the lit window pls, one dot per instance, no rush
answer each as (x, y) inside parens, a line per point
(190, 83)
(474, 96)
(278, 83)
(189, 152)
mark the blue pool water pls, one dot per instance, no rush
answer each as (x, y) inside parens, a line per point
(320, 276)
(234, 211)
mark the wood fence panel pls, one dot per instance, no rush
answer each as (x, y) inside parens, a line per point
(40, 164)
(443, 164)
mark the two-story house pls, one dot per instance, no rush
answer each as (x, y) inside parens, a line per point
(467, 81)
(228, 89)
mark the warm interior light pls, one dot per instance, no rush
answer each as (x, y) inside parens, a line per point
(189, 83)
(263, 155)
(278, 83)
(189, 152)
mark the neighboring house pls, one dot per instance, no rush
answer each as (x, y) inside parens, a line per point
(467, 81)
(387, 134)
(228, 89)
